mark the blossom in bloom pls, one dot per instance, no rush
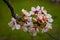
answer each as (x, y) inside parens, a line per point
(41, 17)
(37, 19)
(35, 10)
(13, 24)
(28, 26)
(27, 18)
(49, 17)
(25, 13)
(34, 30)
(45, 17)
(47, 27)
(42, 11)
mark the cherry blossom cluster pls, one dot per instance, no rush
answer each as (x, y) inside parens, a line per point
(35, 20)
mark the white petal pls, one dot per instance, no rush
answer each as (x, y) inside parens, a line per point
(45, 12)
(25, 25)
(25, 12)
(17, 26)
(44, 30)
(50, 20)
(42, 8)
(48, 15)
(49, 25)
(33, 9)
(37, 30)
(13, 27)
(13, 19)
(25, 29)
(35, 33)
(28, 14)
(30, 19)
(38, 8)
(31, 24)
(31, 13)
(10, 24)
(40, 17)
(34, 19)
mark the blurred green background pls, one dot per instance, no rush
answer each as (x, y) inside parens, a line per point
(6, 32)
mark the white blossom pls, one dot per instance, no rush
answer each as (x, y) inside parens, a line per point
(42, 8)
(25, 12)
(47, 27)
(34, 30)
(49, 17)
(35, 33)
(35, 10)
(28, 18)
(30, 24)
(25, 29)
(13, 24)
(41, 17)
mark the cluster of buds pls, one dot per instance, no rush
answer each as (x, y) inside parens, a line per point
(34, 20)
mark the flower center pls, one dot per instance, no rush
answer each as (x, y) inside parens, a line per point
(36, 12)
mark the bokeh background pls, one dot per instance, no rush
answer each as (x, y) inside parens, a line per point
(6, 32)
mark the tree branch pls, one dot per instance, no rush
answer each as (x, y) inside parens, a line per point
(11, 9)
